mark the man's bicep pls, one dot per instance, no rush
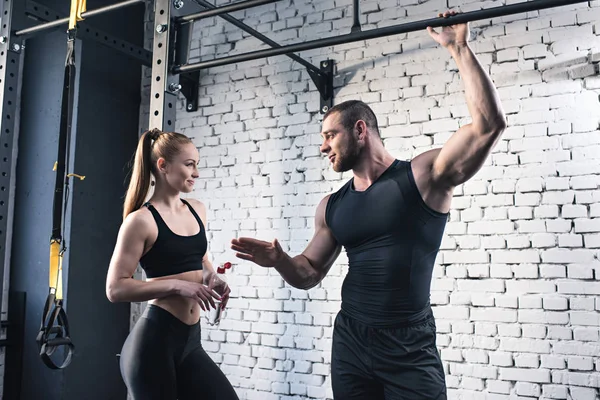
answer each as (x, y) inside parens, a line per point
(462, 156)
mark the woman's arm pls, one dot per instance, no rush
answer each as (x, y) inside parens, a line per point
(120, 286)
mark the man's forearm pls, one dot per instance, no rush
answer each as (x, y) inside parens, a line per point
(481, 94)
(298, 271)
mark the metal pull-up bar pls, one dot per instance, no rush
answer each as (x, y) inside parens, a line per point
(224, 9)
(380, 32)
(87, 14)
(254, 32)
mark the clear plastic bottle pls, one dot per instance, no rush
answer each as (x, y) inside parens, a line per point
(213, 315)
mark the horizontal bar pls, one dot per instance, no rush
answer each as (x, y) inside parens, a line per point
(42, 14)
(380, 32)
(87, 14)
(242, 5)
(259, 36)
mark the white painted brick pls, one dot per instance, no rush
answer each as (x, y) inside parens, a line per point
(552, 361)
(555, 303)
(581, 303)
(510, 257)
(518, 242)
(528, 389)
(526, 271)
(586, 334)
(580, 271)
(525, 375)
(575, 378)
(530, 302)
(509, 330)
(580, 363)
(583, 393)
(506, 301)
(558, 332)
(500, 387)
(528, 286)
(592, 240)
(495, 315)
(543, 240)
(501, 359)
(542, 317)
(534, 332)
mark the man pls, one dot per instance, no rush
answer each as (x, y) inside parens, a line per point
(390, 218)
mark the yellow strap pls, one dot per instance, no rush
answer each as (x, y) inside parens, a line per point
(78, 7)
(55, 260)
(81, 177)
(59, 286)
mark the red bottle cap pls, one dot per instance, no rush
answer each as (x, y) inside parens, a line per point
(220, 270)
(227, 265)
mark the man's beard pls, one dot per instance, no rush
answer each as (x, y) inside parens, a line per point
(347, 159)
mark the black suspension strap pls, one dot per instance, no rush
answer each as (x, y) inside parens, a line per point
(54, 328)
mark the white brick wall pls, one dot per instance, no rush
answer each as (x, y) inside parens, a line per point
(516, 284)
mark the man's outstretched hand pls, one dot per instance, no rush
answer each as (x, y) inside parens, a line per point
(265, 254)
(452, 35)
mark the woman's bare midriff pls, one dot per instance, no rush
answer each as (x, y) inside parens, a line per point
(183, 308)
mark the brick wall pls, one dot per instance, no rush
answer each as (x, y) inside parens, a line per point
(516, 283)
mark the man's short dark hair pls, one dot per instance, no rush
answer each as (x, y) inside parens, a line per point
(352, 111)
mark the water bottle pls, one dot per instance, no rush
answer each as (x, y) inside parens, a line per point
(213, 316)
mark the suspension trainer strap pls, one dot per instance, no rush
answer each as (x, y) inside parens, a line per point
(54, 327)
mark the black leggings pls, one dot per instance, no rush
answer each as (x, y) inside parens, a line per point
(163, 359)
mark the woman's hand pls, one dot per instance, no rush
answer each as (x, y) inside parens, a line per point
(201, 293)
(216, 284)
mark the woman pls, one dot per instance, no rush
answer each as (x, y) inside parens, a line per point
(162, 357)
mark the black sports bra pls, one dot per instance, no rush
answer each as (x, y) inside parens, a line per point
(171, 253)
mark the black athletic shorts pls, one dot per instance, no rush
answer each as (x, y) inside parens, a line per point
(400, 363)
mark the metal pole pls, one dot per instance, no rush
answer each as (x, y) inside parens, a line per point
(11, 58)
(356, 25)
(224, 9)
(260, 36)
(162, 101)
(380, 32)
(87, 14)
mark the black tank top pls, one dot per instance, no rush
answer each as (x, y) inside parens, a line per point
(391, 238)
(171, 253)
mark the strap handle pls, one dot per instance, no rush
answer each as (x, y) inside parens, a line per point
(54, 333)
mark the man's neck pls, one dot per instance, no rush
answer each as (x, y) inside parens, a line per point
(370, 168)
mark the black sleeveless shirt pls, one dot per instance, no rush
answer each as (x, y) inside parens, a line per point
(171, 253)
(391, 238)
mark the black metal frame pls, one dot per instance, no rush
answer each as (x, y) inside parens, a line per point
(213, 11)
(381, 32)
(321, 77)
(10, 85)
(18, 16)
(64, 21)
(164, 84)
(86, 32)
(10, 66)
